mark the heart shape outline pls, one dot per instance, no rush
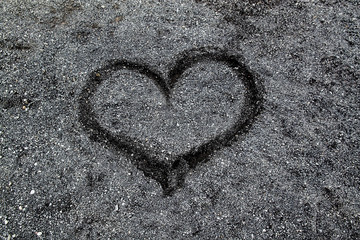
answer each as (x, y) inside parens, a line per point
(172, 176)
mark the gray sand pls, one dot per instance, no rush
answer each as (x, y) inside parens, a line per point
(187, 120)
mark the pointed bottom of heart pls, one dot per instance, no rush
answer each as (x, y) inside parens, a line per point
(171, 174)
(170, 178)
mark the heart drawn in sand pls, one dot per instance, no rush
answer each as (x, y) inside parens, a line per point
(169, 124)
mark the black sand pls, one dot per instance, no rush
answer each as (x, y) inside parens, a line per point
(186, 120)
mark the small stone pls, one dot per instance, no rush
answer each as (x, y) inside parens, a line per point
(119, 18)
